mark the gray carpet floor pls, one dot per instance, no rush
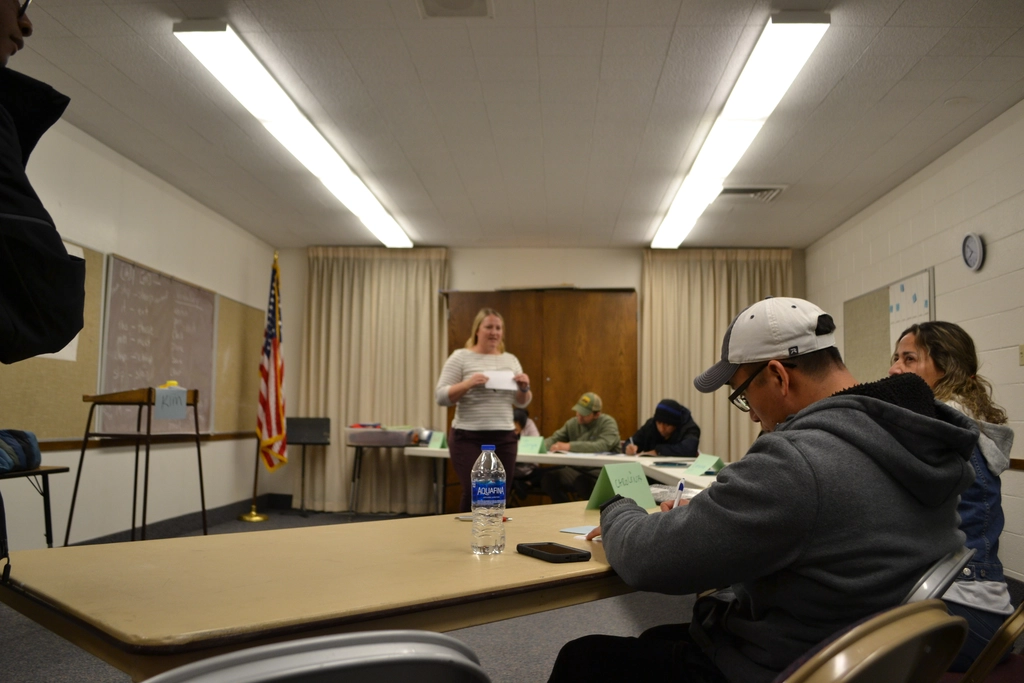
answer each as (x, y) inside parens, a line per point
(510, 651)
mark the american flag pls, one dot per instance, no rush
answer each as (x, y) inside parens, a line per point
(270, 420)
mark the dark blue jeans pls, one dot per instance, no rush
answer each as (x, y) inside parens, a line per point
(983, 625)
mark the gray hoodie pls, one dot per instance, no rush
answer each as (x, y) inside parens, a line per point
(828, 519)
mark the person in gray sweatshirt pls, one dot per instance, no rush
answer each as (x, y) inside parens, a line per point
(833, 514)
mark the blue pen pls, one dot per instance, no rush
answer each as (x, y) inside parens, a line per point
(679, 492)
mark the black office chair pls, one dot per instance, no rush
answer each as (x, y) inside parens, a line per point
(367, 657)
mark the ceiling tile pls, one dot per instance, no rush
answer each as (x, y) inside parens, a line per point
(441, 54)
(572, 12)
(995, 13)
(378, 55)
(934, 68)
(561, 68)
(972, 40)
(930, 12)
(643, 12)
(1014, 46)
(351, 14)
(570, 40)
(998, 68)
(699, 12)
(287, 15)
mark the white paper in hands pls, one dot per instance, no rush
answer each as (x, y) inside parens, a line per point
(501, 380)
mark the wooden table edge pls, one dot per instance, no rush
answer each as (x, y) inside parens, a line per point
(145, 661)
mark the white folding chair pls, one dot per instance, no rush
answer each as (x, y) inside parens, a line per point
(940, 576)
(368, 657)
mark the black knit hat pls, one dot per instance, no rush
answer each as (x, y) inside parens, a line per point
(670, 412)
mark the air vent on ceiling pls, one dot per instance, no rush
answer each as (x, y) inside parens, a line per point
(456, 9)
(764, 195)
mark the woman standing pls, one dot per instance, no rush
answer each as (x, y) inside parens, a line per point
(482, 416)
(943, 354)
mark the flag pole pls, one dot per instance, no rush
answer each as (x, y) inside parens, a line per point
(271, 440)
(252, 515)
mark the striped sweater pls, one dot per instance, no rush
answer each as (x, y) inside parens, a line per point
(479, 409)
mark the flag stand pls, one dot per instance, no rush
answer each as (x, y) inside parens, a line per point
(270, 421)
(252, 515)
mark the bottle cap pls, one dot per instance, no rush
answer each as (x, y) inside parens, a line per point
(487, 448)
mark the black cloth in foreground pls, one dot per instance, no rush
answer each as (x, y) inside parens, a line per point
(42, 288)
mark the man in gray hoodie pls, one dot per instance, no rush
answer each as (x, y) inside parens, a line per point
(833, 514)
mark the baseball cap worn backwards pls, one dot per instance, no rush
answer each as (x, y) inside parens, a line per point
(773, 328)
(588, 403)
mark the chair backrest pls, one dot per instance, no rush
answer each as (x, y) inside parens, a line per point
(939, 577)
(912, 643)
(368, 657)
(1002, 641)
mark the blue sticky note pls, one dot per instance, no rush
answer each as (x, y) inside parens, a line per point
(901, 286)
(890, 308)
(897, 307)
(914, 298)
(170, 403)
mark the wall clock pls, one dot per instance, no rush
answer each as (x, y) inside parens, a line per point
(973, 251)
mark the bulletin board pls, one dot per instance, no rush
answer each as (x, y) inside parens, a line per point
(239, 346)
(44, 394)
(873, 322)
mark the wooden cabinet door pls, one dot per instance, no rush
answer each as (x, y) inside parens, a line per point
(590, 344)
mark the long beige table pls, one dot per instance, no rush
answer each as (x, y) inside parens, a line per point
(151, 606)
(664, 474)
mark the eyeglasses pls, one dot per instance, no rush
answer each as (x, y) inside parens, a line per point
(738, 399)
(24, 8)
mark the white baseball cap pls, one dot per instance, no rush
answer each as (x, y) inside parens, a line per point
(774, 328)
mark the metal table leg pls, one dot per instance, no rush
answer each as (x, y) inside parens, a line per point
(46, 510)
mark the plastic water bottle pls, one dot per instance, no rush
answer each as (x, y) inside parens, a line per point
(488, 494)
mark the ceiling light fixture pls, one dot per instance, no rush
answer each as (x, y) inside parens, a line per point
(782, 50)
(223, 53)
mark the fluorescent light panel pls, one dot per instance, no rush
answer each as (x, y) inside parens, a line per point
(782, 50)
(223, 53)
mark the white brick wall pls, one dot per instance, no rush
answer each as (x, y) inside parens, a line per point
(976, 187)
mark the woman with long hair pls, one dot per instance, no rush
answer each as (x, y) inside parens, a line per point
(943, 354)
(482, 415)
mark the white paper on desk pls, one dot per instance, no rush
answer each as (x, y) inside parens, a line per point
(502, 380)
(579, 529)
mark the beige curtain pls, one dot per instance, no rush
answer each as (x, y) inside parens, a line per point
(374, 343)
(688, 299)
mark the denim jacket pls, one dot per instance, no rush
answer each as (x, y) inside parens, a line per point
(981, 583)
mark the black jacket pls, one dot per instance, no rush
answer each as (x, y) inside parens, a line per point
(42, 288)
(682, 442)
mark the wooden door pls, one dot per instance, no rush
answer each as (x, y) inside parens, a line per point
(590, 344)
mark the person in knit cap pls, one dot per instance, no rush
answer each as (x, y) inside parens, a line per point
(670, 432)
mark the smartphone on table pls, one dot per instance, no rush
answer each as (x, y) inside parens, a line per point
(553, 552)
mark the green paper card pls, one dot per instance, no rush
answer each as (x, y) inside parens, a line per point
(531, 445)
(628, 480)
(702, 464)
(437, 440)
